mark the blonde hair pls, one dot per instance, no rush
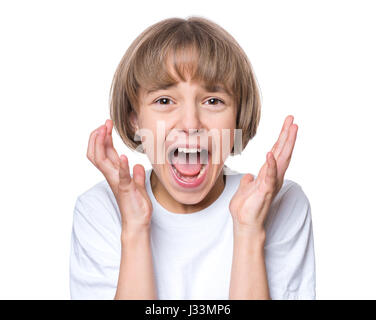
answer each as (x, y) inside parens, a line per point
(200, 48)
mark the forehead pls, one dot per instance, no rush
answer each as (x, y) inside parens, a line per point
(182, 68)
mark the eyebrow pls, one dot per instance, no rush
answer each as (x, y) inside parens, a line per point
(161, 87)
(215, 88)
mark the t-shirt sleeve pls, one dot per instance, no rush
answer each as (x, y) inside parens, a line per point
(289, 247)
(95, 250)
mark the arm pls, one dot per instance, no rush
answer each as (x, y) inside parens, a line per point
(136, 275)
(248, 273)
(249, 207)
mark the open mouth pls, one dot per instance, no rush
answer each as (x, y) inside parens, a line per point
(189, 165)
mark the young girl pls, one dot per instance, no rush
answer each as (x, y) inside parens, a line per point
(189, 227)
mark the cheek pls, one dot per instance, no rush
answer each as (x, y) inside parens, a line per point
(225, 119)
(154, 139)
(224, 141)
(224, 123)
(147, 131)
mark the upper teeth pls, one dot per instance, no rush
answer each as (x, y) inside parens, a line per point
(188, 150)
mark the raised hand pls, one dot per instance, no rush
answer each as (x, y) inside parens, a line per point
(130, 192)
(250, 204)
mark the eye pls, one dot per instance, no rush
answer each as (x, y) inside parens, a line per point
(162, 99)
(215, 99)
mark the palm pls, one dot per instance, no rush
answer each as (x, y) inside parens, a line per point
(251, 201)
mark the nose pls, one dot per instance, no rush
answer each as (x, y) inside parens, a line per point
(189, 118)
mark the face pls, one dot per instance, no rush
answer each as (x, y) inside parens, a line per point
(190, 117)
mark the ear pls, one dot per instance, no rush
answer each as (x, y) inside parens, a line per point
(134, 121)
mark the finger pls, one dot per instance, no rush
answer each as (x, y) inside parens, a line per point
(108, 139)
(271, 171)
(139, 175)
(111, 153)
(124, 176)
(261, 174)
(109, 125)
(91, 145)
(278, 146)
(246, 179)
(285, 156)
(282, 136)
(99, 151)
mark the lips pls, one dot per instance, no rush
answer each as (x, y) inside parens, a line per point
(189, 181)
(188, 168)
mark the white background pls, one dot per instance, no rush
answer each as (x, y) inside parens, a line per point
(313, 59)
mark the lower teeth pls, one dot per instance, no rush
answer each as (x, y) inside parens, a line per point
(189, 178)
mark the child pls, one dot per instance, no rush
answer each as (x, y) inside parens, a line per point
(189, 227)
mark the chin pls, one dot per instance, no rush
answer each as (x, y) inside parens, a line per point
(188, 198)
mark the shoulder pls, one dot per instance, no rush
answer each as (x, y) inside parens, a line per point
(289, 246)
(95, 244)
(98, 205)
(289, 212)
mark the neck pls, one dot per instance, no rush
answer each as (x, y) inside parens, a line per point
(170, 204)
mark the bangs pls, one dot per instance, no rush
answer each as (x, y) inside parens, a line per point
(178, 50)
(182, 54)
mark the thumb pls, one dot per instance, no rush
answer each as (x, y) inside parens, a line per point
(139, 175)
(246, 179)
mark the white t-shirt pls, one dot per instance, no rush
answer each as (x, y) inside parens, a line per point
(192, 253)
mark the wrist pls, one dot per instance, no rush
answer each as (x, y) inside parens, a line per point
(133, 233)
(256, 232)
(250, 238)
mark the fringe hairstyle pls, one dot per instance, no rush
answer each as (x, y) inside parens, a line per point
(199, 48)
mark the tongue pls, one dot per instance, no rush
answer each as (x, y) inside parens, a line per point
(187, 169)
